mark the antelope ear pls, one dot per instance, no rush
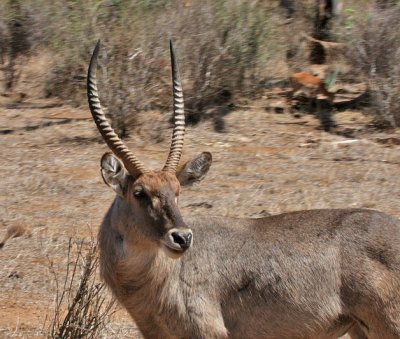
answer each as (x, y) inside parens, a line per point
(194, 170)
(113, 173)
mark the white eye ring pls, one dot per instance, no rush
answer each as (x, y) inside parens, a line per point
(156, 202)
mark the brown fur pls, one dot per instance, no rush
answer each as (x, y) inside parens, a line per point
(13, 231)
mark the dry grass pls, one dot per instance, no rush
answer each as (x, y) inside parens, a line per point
(82, 306)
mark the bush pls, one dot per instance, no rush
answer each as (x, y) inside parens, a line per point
(375, 52)
(14, 40)
(82, 306)
(222, 48)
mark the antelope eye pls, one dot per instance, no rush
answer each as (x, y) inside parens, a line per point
(139, 192)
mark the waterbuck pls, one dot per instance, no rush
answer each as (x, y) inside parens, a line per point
(309, 274)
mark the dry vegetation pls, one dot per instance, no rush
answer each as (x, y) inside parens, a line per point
(264, 162)
(215, 63)
(82, 309)
(374, 52)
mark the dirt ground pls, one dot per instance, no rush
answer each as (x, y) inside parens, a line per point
(264, 163)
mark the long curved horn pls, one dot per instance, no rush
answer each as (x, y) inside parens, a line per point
(178, 133)
(131, 163)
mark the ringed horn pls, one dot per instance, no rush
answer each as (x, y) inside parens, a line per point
(131, 163)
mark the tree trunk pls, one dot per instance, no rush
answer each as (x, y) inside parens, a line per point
(325, 11)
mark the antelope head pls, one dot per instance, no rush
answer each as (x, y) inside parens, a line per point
(150, 198)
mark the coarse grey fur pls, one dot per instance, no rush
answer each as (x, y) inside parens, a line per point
(309, 274)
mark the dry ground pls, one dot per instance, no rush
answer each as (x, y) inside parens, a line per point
(264, 163)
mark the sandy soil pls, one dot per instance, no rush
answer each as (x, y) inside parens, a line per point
(264, 163)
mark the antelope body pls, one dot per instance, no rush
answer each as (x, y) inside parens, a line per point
(308, 274)
(309, 83)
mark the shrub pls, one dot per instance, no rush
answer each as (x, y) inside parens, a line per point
(82, 308)
(375, 51)
(14, 38)
(222, 48)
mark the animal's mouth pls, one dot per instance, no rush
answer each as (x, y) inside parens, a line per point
(172, 252)
(173, 247)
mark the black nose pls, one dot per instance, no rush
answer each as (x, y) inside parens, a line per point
(183, 239)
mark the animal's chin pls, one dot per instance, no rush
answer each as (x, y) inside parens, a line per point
(172, 252)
